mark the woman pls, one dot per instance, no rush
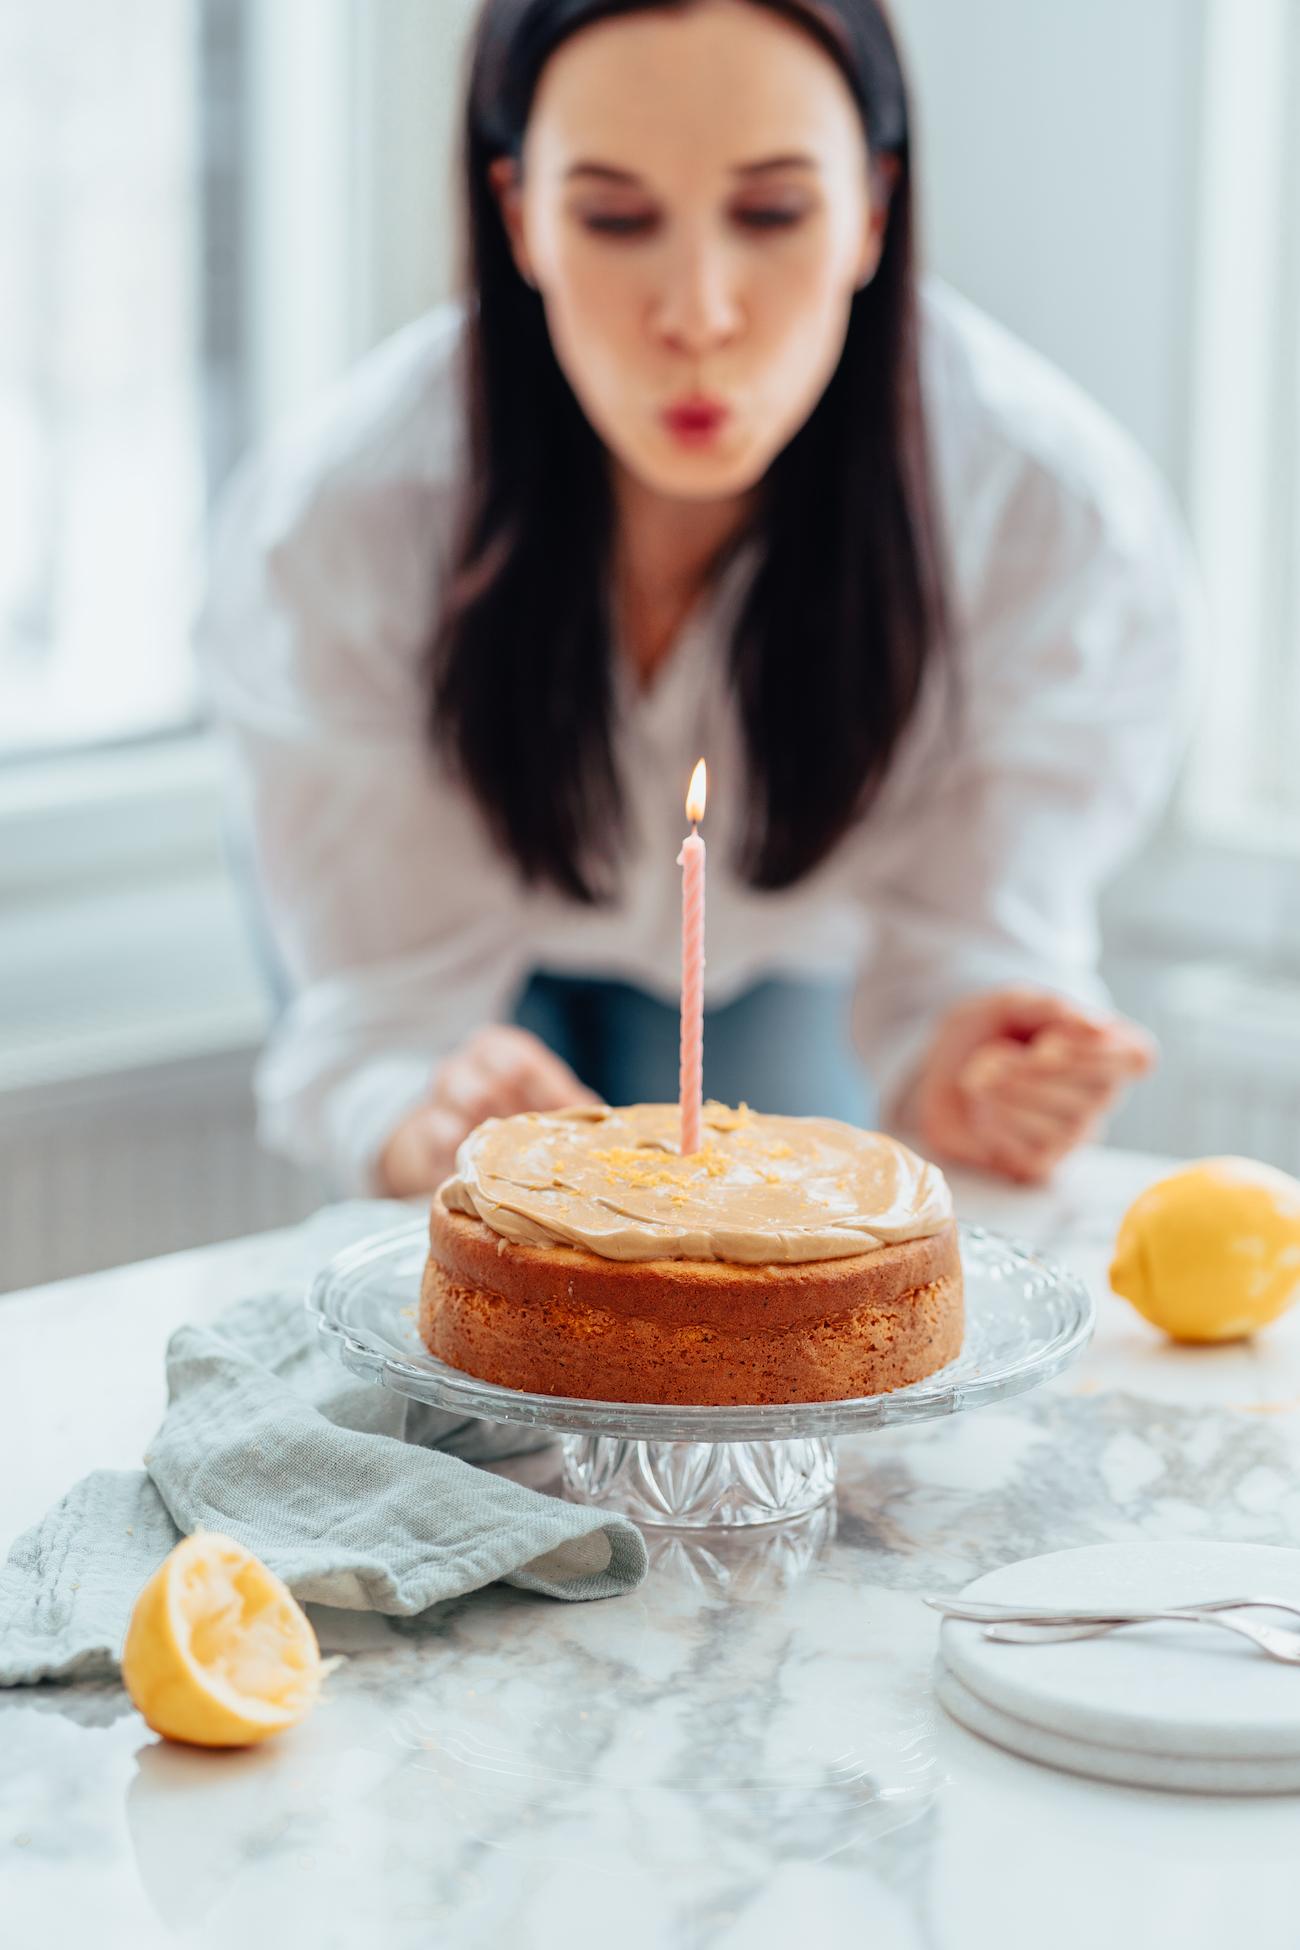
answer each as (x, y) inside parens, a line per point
(696, 470)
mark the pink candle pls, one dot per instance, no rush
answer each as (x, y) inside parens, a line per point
(691, 862)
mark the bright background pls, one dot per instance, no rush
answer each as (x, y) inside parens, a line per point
(208, 208)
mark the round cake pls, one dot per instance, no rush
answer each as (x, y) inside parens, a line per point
(789, 1259)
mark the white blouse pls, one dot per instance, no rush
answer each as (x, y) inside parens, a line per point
(402, 927)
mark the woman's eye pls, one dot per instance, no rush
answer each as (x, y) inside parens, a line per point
(610, 223)
(771, 219)
(618, 226)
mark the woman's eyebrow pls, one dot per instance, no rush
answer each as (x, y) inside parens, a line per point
(607, 173)
(793, 161)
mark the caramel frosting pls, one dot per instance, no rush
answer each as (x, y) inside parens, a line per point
(761, 1189)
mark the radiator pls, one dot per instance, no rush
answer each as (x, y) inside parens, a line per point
(1229, 1078)
(128, 1164)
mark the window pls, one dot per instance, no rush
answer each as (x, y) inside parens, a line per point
(1244, 782)
(120, 354)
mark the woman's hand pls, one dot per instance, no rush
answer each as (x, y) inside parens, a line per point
(1016, 1078)
(499, 1070)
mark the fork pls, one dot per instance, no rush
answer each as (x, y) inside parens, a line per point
(1276, 1640)
(984, 1614)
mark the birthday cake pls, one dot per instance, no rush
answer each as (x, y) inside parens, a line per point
(789, 1259)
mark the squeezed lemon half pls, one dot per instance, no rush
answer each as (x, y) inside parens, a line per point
(1212, 1252)
(218, 1651)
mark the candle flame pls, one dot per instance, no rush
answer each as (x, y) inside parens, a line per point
(697, 793)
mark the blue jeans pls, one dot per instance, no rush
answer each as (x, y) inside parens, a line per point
(782, 1046)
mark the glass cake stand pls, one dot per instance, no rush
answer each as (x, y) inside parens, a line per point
(1025, 1319)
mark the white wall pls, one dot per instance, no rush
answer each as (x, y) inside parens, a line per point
(413, 53)
(353, 137)
(1058, 147)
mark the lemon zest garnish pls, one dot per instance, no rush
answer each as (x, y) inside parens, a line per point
(712, 1160)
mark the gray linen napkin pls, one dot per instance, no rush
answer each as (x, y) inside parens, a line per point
(355, 1496)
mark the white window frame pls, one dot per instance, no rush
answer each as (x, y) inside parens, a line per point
(1244, 425)
(128, 828)
(345, 95)
(1222, 879)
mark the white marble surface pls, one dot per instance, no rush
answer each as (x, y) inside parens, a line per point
(744, 1752)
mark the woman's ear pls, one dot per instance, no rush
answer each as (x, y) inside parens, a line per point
(883, 176)
(507, 186)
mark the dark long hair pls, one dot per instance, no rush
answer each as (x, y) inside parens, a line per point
(846, 607)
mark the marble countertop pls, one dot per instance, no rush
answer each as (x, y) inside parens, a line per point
(744, 1751)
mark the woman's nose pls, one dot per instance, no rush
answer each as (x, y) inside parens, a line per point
(699, 307)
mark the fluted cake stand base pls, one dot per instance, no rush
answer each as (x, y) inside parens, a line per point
(700, 1485)
(703, 1468)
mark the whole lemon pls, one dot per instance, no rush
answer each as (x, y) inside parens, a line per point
(1213, 1251)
